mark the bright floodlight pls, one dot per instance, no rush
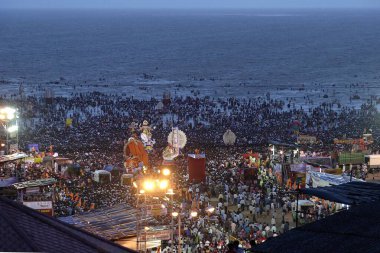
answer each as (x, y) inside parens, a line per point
(7, 110)
(194, 214)
(148, 185)
(7, 113)
(174, 214)
(163, 184)
(142, 191)
(166, 172)
(12, 129)
(10, 116)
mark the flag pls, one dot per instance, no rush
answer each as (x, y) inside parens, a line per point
(69, 122)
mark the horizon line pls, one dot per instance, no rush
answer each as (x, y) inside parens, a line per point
(193, 8)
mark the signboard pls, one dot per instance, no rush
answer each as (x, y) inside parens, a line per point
(351, 158)
(349, 141)
(45, 207)
(156, 210)
(306, 139)
(155, 235)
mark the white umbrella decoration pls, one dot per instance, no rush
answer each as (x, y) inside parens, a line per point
(181, 138)
(229, 138)
(177, 139)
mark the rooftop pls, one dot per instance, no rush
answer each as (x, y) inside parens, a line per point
(24, 229)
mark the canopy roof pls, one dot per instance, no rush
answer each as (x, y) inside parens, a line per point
(102, 172)
(352, 193)
(12, 157)
(35, 183)
(283, 144)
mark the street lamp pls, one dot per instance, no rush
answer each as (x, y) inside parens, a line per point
(163, 184)
(175, 215)
(7, 116)
(170, 192)
(193, 214)
(166, 172)
(7, 113)
(148, 185)
(12, 129)
(210, 209)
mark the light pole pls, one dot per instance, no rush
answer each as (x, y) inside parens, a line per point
(8, 114)
(140, 217)
(170, 192)
(176, 214)
(193, 214)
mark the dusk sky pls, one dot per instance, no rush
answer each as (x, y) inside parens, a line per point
(189, 4)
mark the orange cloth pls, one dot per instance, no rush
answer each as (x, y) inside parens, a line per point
(136, 148)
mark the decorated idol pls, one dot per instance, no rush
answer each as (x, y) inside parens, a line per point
(146, 136)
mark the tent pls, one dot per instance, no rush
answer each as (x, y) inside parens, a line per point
(109, 167)
(317, 179)
(102, 176)
(159, 106)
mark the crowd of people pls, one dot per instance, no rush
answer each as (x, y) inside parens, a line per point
(248, 209)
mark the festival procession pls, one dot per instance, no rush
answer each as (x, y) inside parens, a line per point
(183, 174)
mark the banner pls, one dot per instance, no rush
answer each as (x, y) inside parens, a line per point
(349, 141)
(298, 167)
(33, 148)
(45, 207)
(155, 235)
(197, 167)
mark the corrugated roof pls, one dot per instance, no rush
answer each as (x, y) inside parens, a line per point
(352, 193)
(24, 229)
(112, 223)
(355, 230)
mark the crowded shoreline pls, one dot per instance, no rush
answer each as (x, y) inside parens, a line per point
(246, 209)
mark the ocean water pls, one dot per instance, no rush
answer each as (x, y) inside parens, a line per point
(219, 53)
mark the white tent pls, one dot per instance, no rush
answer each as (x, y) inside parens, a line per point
(102, 176)
(229, 137)
(320, 179)
(159, 106)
